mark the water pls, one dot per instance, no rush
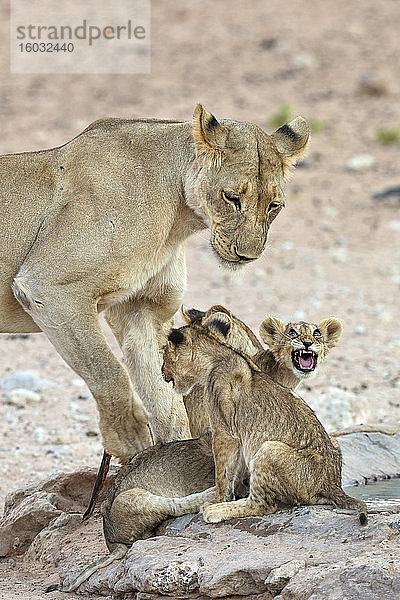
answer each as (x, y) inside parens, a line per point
(387, 489)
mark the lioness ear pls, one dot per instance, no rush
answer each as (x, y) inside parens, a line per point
(270, 328)
(331, 330)
(291, 141)
(192, 315)
(207, 135)
(219, 323)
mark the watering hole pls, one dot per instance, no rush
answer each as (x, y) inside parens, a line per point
(386, 489)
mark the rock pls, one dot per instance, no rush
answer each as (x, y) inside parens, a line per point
(360, 162)
(337, 408)
(303, 554)
(278, 578)
(389, 197)
(25, 520)
(45, 547)
(26, 380)
(29, 510)
(367, 456)
(373, 84)
(21, 397)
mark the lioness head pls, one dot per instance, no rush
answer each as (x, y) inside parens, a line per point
(236, 181)
(300, 346)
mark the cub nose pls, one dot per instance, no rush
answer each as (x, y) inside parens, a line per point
(307, 344)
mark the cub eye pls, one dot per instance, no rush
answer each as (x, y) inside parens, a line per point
(317, 333)
(293, 333)
(232, 199)
(274, 206)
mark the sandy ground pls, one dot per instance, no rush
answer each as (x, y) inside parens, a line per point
(334, 250)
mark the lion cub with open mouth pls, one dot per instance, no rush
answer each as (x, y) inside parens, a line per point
(295, 352)
(290, 457)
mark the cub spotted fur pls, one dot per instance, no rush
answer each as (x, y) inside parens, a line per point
(172, 479)
(296, 350)
(290, 456)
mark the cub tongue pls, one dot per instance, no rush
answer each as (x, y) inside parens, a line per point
(306, 362)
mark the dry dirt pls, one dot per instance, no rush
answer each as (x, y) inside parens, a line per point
(334, 250)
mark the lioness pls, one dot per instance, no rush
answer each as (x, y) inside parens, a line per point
(100, 222)
(290, 456)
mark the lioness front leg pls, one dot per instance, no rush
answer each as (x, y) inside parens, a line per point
(71, 323)
(140, 325)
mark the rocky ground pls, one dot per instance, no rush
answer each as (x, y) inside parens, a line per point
(335, 248)
(308, 553)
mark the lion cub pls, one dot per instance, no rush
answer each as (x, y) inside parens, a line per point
(296, 349)
(290, 457)
(295, 352)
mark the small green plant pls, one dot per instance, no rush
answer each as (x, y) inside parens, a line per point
(281, 116)
(388, 135)
(316, 125)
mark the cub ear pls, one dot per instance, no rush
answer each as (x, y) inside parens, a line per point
(331, 330)
(192, 315)
(270, 328)
(291, 141)
(218, 308)
(218, 323)
(175, 338)
(208, 136)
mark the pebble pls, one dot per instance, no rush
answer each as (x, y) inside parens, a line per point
(303, 60)
(276, 45)
(360, 162)
(339, 255)
(373, 84)
(393, 225)
(21, 380)
(360, 329)
(26, 380)
(21, 397)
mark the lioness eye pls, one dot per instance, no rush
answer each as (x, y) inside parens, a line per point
(293, 333)
(317, 333)
(274, 206)
(232, 199)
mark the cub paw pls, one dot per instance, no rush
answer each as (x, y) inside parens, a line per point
(212, 513)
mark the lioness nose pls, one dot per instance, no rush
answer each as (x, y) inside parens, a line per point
(307, 344)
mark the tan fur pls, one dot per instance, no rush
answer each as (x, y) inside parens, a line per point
(290, 456)
(171, 479)
(240, 337)
(166, 480)
(283, 339)
(276, 361)
(100, 224)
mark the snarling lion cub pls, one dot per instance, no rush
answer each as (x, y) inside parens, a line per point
(290, 456)
(99, 224)
(295, 352)
(296, 349)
